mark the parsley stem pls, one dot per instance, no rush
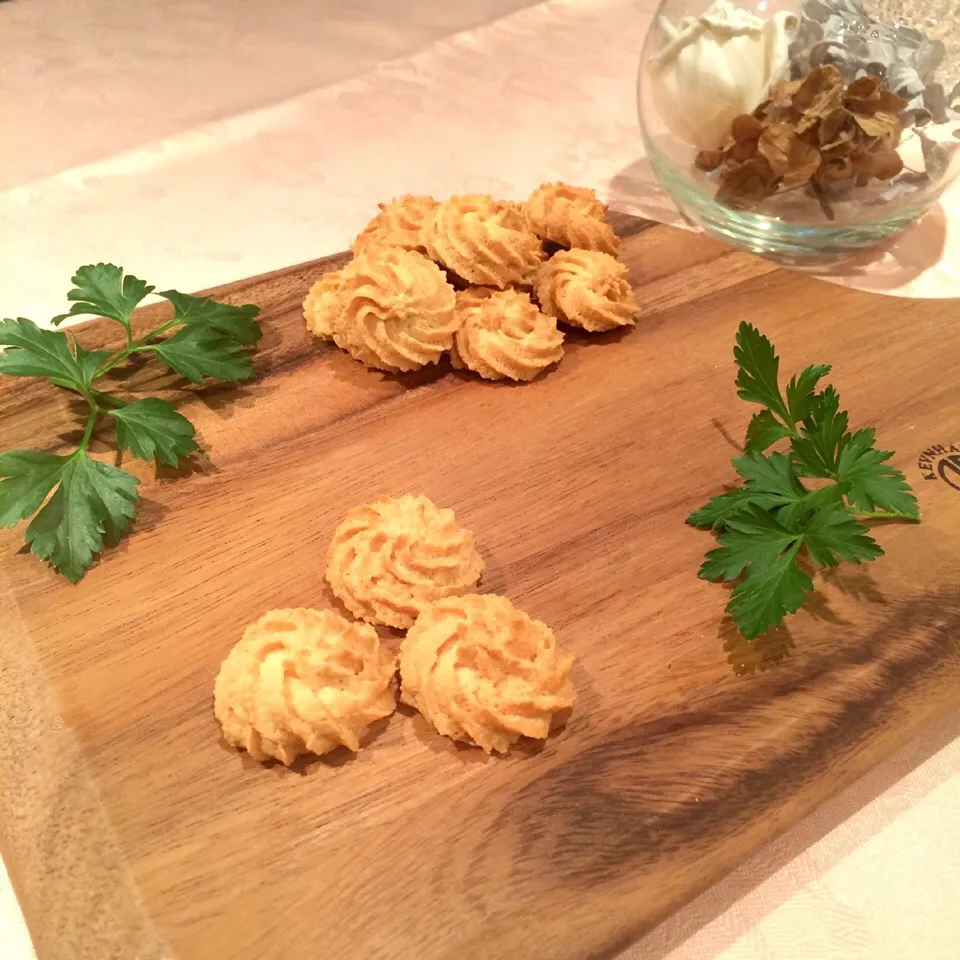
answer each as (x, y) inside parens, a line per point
(887, 515)
(108, 398)
(787, 421)
(132, 347)
(91, 421)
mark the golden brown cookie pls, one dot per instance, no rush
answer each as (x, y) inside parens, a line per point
(390, 559)
(397, 310)
(503, 335)
(588, 289)
(303, 681)
(571, 217)
(397, 224)
(483, 240)
(323, 305)
(482, 671)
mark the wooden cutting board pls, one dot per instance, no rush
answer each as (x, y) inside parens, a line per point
(131, 830)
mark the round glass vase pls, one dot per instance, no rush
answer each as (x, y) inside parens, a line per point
(797, 74)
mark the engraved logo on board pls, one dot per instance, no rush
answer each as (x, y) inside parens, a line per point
(941, 462)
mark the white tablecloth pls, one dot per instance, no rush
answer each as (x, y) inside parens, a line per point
(201, 141)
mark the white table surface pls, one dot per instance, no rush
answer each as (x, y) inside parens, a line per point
(201, 141)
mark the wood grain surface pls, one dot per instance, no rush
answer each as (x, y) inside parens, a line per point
(131, 830)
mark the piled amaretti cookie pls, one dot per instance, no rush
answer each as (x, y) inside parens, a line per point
(477, 669)
(484, 280)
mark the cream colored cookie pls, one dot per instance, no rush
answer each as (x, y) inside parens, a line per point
(482, 671)
(588, 289)
(398, 224)
(503, 335)
(323, 305)
(571, 217)
(303, 681)
(397, 310)
(483, 240)
(390, 559)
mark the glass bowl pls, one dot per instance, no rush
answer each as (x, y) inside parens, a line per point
(803, 131)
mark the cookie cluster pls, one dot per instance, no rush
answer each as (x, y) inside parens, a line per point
(486, 281)
(477, 669)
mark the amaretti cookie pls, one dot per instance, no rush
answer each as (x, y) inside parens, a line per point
(397, 310)
(483, 672)
(587, 289)
(392, 558)
(398, 224)
(502, 335)
(484, 241)
(571, 217)
(303, 681)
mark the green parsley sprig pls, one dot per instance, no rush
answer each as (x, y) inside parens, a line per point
(767, 527)
(93, 502)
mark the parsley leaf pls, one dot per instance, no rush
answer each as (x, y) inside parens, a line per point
(770, 483)
(766, 527)
(759, 367)
(94, 501)
(801, 396)
(870, 482)
(78, 504)
(763, 431)
(833, 535)
(752, 537)
(27, 477)
(197, 352)
(721, 508)
(152, 429)
(823, 434)
(103, 290)
(757, 379)
(772, 474)
(768, 593)
(34, 352)
(236, 322)
(757, 543)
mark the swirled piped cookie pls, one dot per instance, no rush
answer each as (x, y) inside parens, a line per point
(303, 681)
(482, 671)
(588, 289)
(323, 305)
(390, 559)
(398, 224)
(483, 240)
(570, 217)
(397, 310)
(503, 335)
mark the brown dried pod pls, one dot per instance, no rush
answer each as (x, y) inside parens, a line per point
(774, 144)
(883, 162)
(820, 93)
(865, 88)
(783, 93)
(803, 162)
(868, 95)
(834, 128)
(880, 124)
(746, 127)
(890, 102)
(742, 150)
(708, 160)
(745, 183)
